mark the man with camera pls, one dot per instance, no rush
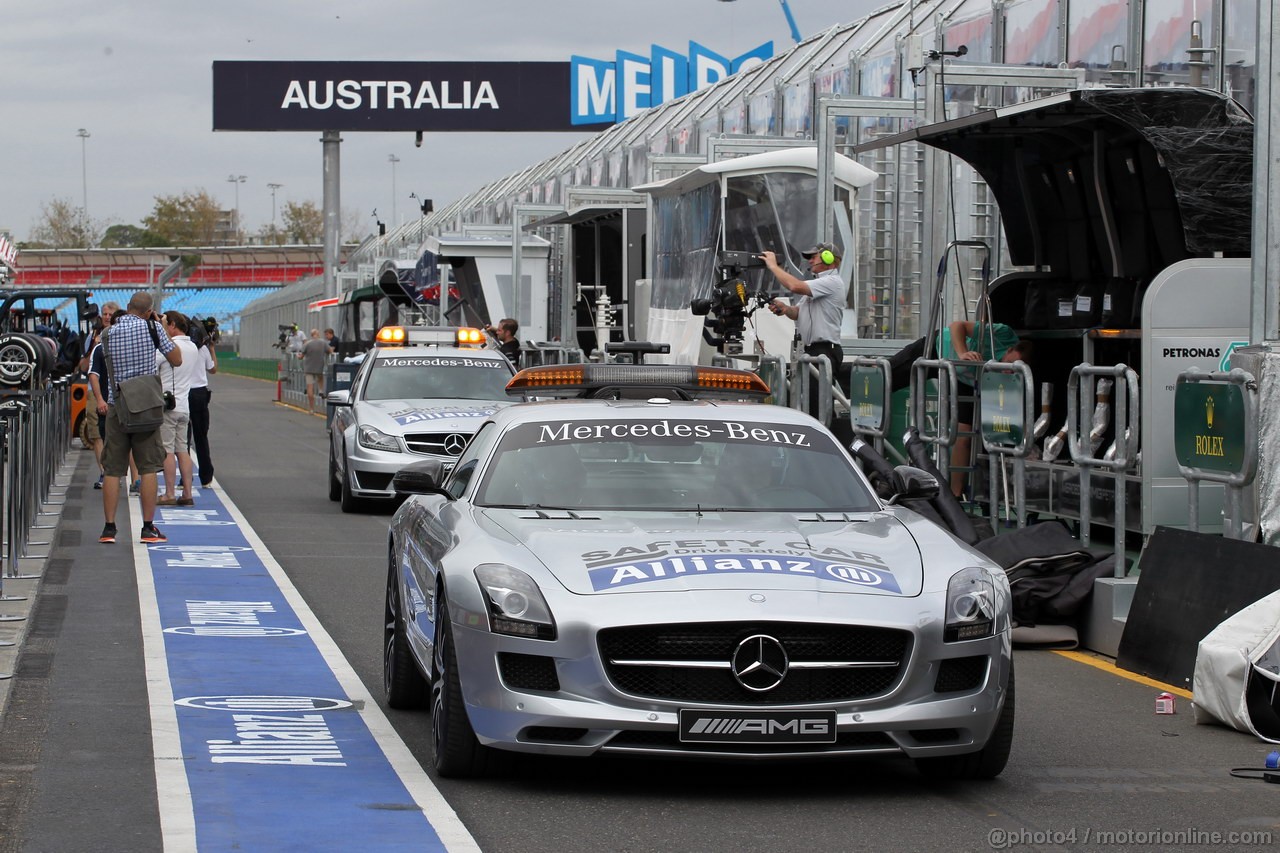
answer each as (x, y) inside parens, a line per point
(819, 310)
(205, 336)
(130, 346)
(177, 380)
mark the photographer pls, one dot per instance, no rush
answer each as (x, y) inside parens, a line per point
(200, 394)
(176, 380)
(819, 310)
(129, 347)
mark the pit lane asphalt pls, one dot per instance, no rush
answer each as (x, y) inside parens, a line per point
(76, 772)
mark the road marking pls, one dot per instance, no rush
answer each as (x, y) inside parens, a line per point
(264, 735)
(1106, 665)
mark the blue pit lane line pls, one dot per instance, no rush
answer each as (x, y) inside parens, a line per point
(264, 737)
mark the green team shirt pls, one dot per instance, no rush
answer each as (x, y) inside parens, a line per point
(980, 341)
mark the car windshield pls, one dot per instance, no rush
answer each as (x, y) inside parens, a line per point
(673, 465)
(419, 377)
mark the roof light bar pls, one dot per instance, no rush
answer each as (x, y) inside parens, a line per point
(391, 336)
(577, 380)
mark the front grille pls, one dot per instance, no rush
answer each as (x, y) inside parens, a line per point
(435, 443)
(716, 642)
(528, 672)
(373, 480)
(669, 740)
(958, 674)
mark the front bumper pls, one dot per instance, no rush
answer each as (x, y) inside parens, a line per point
(588, 713)
(371, 470)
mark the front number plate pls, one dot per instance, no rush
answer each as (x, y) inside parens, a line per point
(757, 726)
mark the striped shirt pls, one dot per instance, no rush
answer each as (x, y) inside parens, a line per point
(132, 350)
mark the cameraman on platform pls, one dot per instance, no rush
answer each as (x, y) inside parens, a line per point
(820, 307)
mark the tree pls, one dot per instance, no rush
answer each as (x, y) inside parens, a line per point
(130, 237)
(190, 219)
(270, 235)
(354, 226)
(63, 225)
(303, 222)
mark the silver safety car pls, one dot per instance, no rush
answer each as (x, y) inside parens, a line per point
(647, 575)
(406, 404)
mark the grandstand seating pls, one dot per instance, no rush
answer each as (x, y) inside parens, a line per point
(222, 303)
(124, 276)
(245, 273)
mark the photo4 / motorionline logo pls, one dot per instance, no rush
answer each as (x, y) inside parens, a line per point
(603, 90)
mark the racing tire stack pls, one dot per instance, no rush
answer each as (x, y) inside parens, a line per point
(25, 360)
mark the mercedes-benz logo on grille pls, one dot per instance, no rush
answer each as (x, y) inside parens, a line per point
(759, 663)
(453, 443)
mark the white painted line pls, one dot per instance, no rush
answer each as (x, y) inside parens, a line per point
(453, 835)
(177, 813)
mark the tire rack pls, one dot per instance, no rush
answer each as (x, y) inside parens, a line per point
(870, 424)
(998, 452)
(1124, 422)
(36, 433)
(943, 433)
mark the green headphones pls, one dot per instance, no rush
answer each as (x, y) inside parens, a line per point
(827, 257)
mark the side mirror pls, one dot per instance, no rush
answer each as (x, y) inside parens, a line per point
(338, 398)
(421, 478)
(914, 484)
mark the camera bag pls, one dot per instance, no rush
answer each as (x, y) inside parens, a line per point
(139, 402)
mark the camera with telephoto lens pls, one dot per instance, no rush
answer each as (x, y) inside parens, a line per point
(170, 403)
(212, 333)
(283, 343)
(730, 304)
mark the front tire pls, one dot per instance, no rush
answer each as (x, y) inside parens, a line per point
(986, 763)
(349, 502)
(455, 752)
(405, 686)
(335, 487)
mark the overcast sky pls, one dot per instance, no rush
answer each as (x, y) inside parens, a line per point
(137, 76)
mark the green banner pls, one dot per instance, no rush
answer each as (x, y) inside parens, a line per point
(1003, 408)
(866, 397)
(1208, 426)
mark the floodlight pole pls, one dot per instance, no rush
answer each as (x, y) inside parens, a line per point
(330, 140)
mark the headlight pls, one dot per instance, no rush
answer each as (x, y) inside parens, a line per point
(972, 606)
(516, 605)
(376, 439)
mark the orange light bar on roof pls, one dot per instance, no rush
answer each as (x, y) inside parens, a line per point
(729, 379)
(391, 336)
(469, 337)
(577, 379)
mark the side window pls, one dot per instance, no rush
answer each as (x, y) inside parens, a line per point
(469, 462)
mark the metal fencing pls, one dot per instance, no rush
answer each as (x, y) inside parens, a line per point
(35, 431)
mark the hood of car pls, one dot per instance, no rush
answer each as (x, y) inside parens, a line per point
(617, 553)
(400, 416)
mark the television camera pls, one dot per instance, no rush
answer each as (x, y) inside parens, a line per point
(286, 330)
(206, 331)
(730, 303)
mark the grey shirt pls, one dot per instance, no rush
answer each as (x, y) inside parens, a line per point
(314, 352)
(819, 315)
